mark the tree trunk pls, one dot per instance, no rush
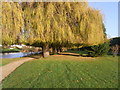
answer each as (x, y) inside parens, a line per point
(61, 50)
(58, 50)
(54, 50)
(45, 50)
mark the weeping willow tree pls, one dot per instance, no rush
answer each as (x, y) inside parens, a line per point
(47, 24)
(62, 24)
(86, 23)
(51, 24)
(12, 22)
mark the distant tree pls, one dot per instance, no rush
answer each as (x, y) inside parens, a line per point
(115, 49)
(114, 41)
(104, 30)
(115, 45)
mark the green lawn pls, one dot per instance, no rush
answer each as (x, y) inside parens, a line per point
(7, 50)
(65, 72)
(5, 61)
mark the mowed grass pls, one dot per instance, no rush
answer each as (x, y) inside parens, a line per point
(63, 71)
(5, 61)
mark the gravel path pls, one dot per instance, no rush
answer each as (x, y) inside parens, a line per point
(9, 68)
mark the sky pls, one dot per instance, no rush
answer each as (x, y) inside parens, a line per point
(110, 16)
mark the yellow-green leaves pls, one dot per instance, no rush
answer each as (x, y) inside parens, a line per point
(52, 22)
(12, 22)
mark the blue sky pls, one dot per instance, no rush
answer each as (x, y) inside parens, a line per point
(110, 16)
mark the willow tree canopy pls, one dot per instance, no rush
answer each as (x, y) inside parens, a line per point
(12, 22)
(63, 22)
(46, 22)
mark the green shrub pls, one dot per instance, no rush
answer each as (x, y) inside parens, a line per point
(98, 50)
(7, 50)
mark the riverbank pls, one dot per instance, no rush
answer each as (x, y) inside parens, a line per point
(9, 50)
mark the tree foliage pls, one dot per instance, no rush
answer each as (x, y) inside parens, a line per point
(12, 22)
(49, 24)
(63, 23)
(115, 41)
(98, 50)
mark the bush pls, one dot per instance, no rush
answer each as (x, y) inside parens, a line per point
(98, 50)
(7, 50)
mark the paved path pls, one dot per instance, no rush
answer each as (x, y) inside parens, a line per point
(9, 68)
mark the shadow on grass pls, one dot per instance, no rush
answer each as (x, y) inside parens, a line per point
(70, 54)
(75, 53)
(83, 53)
(110, 53)
(35, 56)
